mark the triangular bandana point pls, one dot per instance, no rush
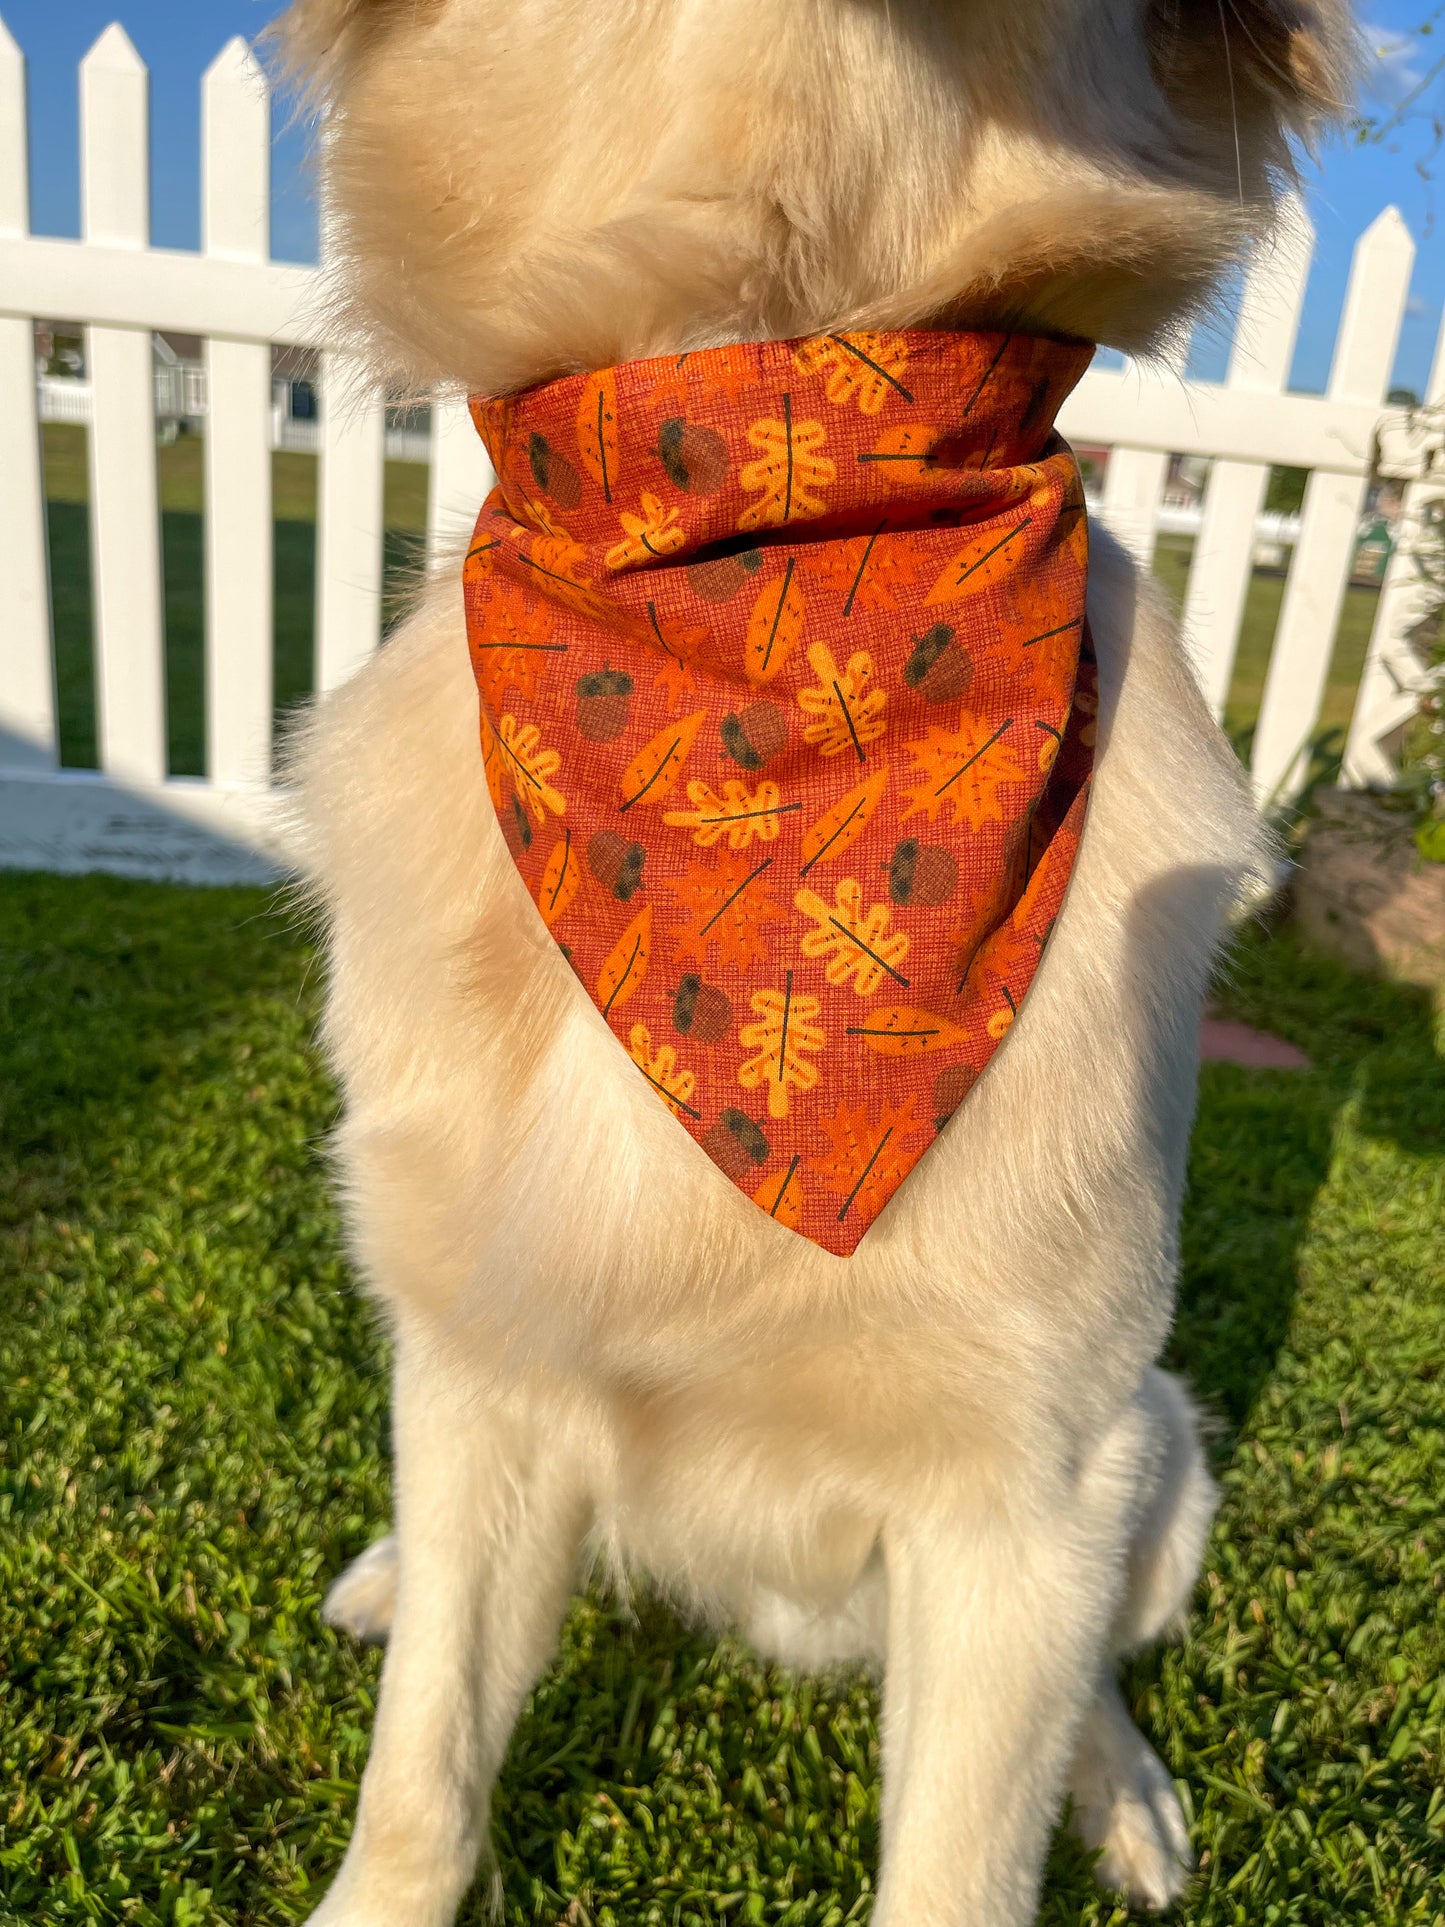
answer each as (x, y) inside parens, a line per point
(787, 715)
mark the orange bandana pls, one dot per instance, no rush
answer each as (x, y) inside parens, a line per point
(787, 715)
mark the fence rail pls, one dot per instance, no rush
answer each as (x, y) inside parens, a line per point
(131, 816)
(71, 402)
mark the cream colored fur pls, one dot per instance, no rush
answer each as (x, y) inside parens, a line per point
(952, 1453)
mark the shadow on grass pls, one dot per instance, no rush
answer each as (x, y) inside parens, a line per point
(158, 1148)
(1262, 1147)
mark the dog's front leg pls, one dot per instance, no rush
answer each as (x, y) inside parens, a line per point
(489, 1519)
(997, 1620)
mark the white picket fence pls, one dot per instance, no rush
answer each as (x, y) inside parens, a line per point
(130, 816)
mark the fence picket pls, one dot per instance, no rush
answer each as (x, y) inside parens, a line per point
(1134, 477)
(1259, 363)
(242, 303)
(1133, 483)
(235, 224)
(461, 477)
(349, 508)
(1304, 641)
(1390, 680)
(124, 515)
(27, 680)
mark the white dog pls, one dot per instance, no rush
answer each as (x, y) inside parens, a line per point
(952, 1452)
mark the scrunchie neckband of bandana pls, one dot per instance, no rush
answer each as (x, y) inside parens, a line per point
(787, 714)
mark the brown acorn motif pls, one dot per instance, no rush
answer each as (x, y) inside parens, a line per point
(754, 737)
(939, 668)
(921, 873)
(719, 577)
(603, 701)
(696, 459)
(734, 1143)
(701, 1011)
(553, 473)
(516, 827)
(616, 863)
(950, 1088)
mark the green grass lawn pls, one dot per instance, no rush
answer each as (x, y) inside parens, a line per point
(294, 498)
(1172, 557)
(192, 1442)
(182, 500)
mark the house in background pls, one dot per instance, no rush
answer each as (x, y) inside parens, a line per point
(180, 397)
(64, 389)
(178, 362)
(180, 384)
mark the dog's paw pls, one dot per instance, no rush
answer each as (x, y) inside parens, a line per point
(1146, 1853)
(343, 1907)
(372, 1890)
(1125, 1809)
(362, 1600)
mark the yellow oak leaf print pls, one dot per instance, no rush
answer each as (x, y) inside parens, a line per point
(662, 1071)
(865, 367)
(656, 532)
(739, 814)
(531, 767)
(856, 941)
(784, 1041)
(846, 711)
(789, 471)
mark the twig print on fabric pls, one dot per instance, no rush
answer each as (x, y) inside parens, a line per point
(786, 710)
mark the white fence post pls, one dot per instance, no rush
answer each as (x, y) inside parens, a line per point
(236, 226)
(349, 512)
(1259, 363)
(1304, 642)
(1389, 690)
(124, 514)
(1133, 483)
(131, 817)
(1134, 478)
(27, 679)
(461, 477)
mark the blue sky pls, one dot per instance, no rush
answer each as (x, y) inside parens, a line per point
(178, 39)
